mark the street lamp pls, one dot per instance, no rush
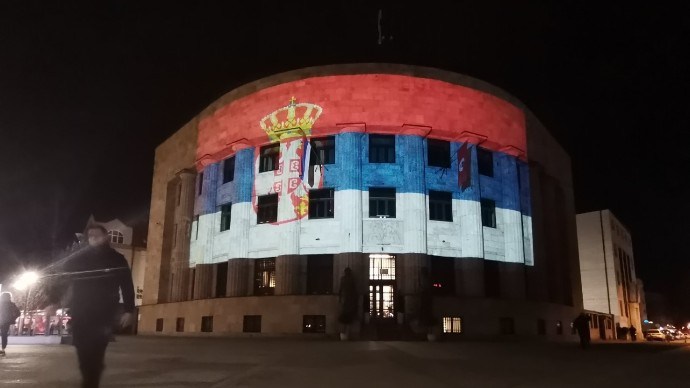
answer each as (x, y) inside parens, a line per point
(24, 282)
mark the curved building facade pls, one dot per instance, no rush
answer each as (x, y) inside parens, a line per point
(406, 175)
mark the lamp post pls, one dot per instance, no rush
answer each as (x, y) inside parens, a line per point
(24, 282)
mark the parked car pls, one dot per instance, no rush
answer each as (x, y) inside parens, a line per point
(657, 335)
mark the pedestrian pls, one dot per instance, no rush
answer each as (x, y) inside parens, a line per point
(9, 312)
(94, 278)
(581, 324)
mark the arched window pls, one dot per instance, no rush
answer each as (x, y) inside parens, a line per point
(116, 237)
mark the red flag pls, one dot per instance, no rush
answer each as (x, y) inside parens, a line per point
(464, 166)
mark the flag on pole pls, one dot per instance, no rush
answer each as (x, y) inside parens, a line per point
(306, 156)
(464, 166)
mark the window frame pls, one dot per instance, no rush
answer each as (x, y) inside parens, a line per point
(225, 217)
(326, 204)
(434, 149)
(228, 171)
(269, 154)
(382, 195)
(262, 267)
(488, 212)
(266, 209)
(328, 148)
(485, 162)
(439, 204)
(382, 153)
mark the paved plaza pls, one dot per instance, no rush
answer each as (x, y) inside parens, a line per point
(286, 363)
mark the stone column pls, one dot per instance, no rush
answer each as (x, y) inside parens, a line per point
(414, 197)
(238, 278)
(203, 283)
(512, 277)
(408, 272)
(183, 219)
(290, 271)
(469, 275)
(470, 214)
(348, 196)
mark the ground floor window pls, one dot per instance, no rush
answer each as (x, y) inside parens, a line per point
(452, 325)
(159, 324)
(541, 327)
(207, 324)
(251, 324)
(559, 327)
(314, 324)
(507, 325)
(264, 276)
(179, 325)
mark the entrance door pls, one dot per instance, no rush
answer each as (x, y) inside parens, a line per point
(602, 327)
(382, 288)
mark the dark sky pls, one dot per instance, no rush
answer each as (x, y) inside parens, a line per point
(87, 91)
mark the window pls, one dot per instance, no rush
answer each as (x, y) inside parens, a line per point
(438, 153)
(200, 183)
(441, 206)
(179, 325)
(269, 156)
(251, 324)
(159, 324)
(207, 324)
(267, 209)
(452, 325)
(116, 237)
(320, 274)
(541, 327)
(264, 276)
(442, 275)
(314, 324)
(382, 202)
(559, 327)
(221, 279)
(485, 160)
(196, 231)
(492, 279)
(595, 321)
(488, 212)
(321, 203)
(322, 151)
(225, 211)
(229, 170)
(381, 149)
(507, 325)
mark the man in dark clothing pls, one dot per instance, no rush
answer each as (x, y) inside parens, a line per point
(9, 312)
(581, 323)
(95, 277)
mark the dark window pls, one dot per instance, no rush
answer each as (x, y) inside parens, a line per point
(264, 276)
(207, 324)
(196, 222)
(321, 203)
(485, 160)
(159, 324)
(541, 327)
(251, 324)
(269, 156)
(201, 183)
(507, 325)
(322, 151)
(442, 275)
(314, 324)
(382, 202)
(559, 327)
(492, 279)
(221, 279)
(452, 325)
(229, 170)
(438, 153)
(267, 209)
(179, 325)
(488, 212)
(225, 211)
(381, 149)
(441, 206)
(320, 274)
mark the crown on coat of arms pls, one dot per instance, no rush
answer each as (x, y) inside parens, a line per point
(292, 120)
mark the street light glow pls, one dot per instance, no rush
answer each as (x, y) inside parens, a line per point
(25, 280)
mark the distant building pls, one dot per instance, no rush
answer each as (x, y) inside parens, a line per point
(121, 239)
(609, 283)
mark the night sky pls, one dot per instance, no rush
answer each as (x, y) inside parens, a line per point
(88, 91)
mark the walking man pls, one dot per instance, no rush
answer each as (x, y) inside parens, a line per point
(96, 276)
(9, 312)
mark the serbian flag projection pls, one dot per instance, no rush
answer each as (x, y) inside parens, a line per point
(306, 161)
(464, 166)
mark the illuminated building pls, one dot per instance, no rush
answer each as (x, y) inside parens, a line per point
(261, 201)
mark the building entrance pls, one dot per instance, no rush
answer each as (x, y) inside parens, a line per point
(382, 289)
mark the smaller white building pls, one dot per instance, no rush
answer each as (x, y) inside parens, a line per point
(607, 268)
